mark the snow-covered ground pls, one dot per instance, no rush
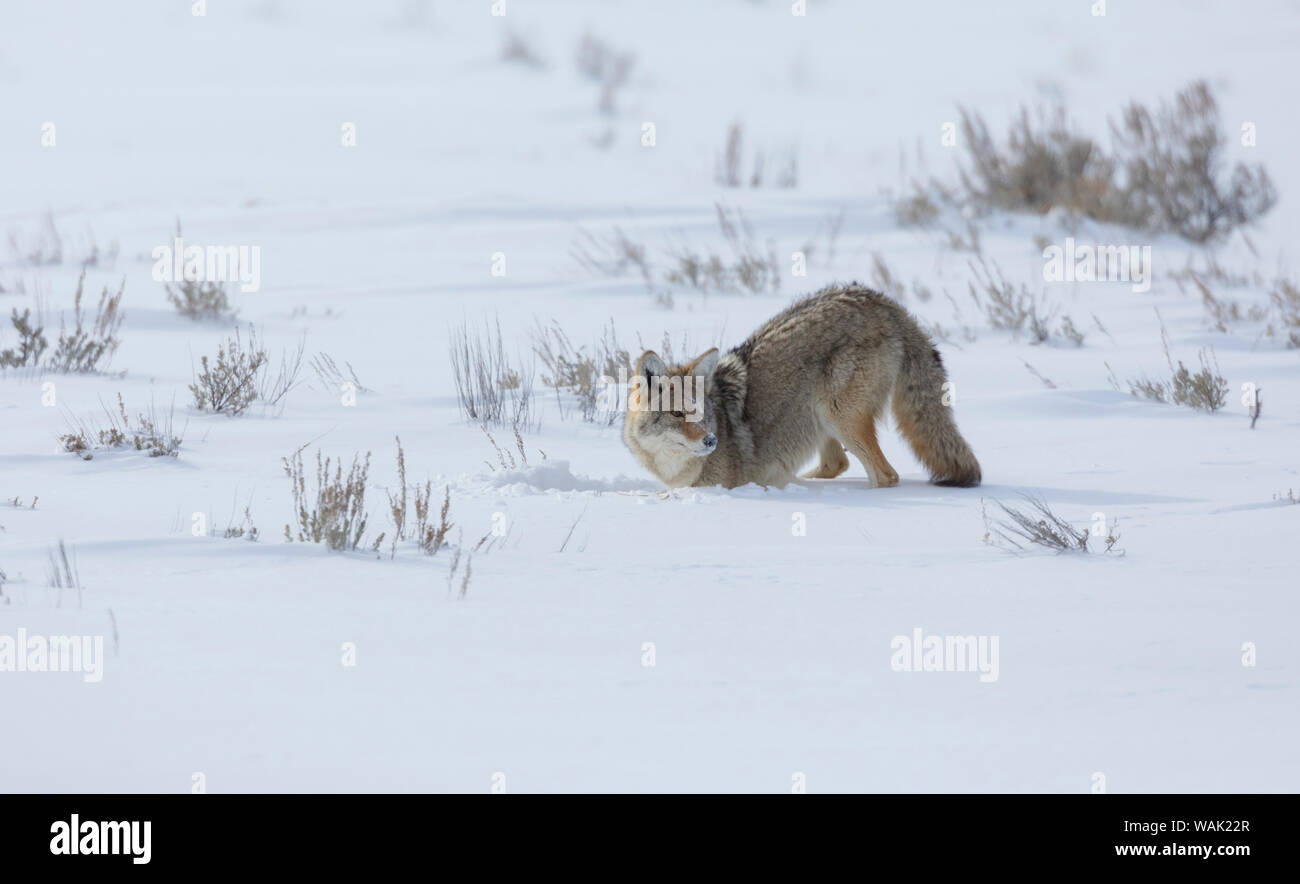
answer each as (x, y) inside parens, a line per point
(617, 637)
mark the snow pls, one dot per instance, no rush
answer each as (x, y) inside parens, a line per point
(771, 647)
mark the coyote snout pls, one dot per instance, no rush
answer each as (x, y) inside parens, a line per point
(811, 381)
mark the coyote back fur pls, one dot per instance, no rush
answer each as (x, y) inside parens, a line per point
(812, 381)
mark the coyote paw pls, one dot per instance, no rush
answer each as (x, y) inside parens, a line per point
(888, 480)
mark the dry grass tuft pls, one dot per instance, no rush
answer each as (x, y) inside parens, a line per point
(591, 374)
(91, 342)
(332, 377)
(335, 512)
(1014, 308)
(61, 571)
(489, 389)
(728, 166)
(1037, 525)
(151, 432)
(1205, 390)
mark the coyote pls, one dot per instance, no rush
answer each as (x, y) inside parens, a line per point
(817, 375)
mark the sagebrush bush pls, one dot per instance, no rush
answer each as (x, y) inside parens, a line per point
(1173, 169)
(230, 384)
(87, 346)
(1042, 164)
(1165, 171)
(1285, 301)
(31, 341)
(204, 300)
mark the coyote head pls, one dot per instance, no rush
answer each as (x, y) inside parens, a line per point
(670, 419)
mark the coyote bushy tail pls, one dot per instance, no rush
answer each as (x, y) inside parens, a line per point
(925, 420)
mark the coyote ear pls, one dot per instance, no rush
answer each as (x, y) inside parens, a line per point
(650, 366)
(644, 388)
(703, 365)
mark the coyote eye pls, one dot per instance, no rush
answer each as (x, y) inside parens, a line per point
(678, 414)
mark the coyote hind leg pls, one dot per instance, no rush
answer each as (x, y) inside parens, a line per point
(833, 461)
(860, 435)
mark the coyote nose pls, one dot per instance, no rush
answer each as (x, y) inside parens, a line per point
(710, 441)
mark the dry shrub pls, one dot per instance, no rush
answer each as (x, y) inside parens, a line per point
(31, 341)
(917, 206)
(1165, 172)
(206, 300)
(1173, 170)
(230, 385)
(704, 273)
(1005, 305)
(1014, 308)
(1041, 165)
(91, 342)
(590, 373)
(335, 512)
(431, 535)
(428, 535)
(611, 255)
(1205, 390)
(515, 48)
(246, 529)
(150, 432)
(754, 267)
(1285, 301)
(748, 264)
